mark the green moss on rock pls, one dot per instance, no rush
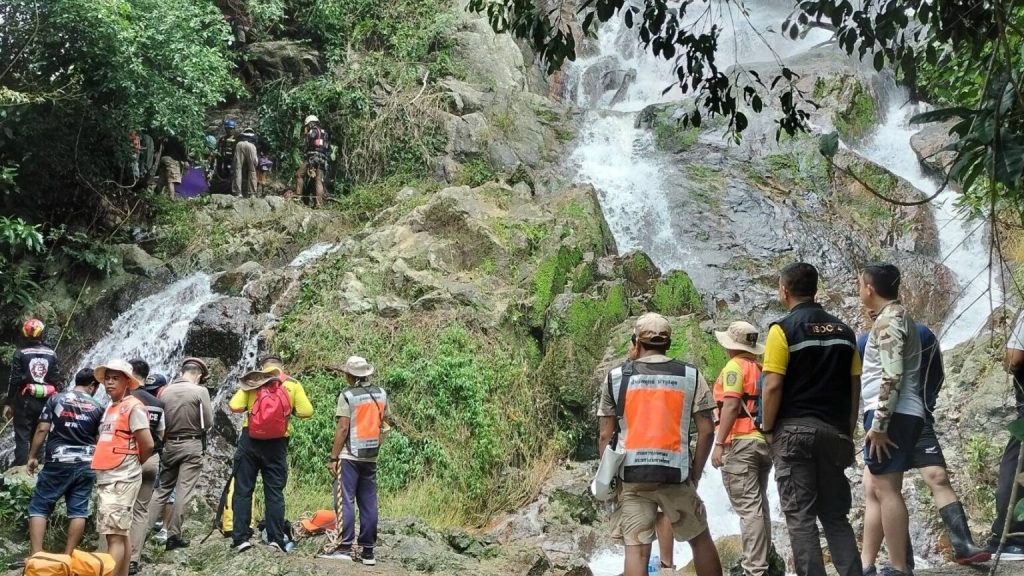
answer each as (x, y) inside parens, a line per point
(675, 295)
(860, 117)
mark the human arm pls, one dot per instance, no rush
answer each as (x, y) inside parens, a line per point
(891, 335)
(705, 438)
(138, 421)
(302, 407)
(239, 403)
(776, 361)
(340, 437)
(726, 418)
(42, 429)
(854, 403)
(1014, 359)
(605, 429)
(13, 384)
(207, 410)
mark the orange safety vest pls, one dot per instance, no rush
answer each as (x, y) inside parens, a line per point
(117, 441)
(656, 405)
(744, 424)
(368, 404)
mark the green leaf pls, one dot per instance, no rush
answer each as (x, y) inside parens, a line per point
(1018, 510)
(828, 144)
(941, 115)
(1016, 428)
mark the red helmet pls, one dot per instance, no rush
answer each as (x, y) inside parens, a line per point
(33, 329)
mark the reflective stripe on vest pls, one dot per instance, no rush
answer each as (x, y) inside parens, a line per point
(366, 406)
(655, 429)
(116, 439)
(744, 424)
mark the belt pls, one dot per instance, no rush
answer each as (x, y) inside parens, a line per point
(184, 437)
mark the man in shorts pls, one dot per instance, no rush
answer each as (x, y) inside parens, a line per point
(124, 445)
(893, 416)
(68, 425)
(647, 409)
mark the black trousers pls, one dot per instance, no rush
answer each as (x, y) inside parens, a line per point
(811, 458)
(269, 458)
(26, 416)
(1007, 471)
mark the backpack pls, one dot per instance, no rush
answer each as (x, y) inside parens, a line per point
(91, 563)
(268, 418)
(46, 564)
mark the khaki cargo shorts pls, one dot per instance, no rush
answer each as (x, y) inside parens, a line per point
(114, 503)
(639, 504)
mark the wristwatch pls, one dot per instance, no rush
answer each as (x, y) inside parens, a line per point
(334, 459)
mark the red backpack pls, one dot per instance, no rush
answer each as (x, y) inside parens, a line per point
(268, 418)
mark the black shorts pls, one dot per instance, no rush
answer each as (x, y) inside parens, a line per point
(928, 452)
(904, 430)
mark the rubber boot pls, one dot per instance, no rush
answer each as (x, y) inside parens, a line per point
(964, 549)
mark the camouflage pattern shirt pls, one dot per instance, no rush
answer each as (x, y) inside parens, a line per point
(891, 381)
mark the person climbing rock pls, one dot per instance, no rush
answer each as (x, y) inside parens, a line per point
(316, 152)
(810, 404)
(150, 469)
(125, 444)
(740, 449)
(362, 414)
(649, 405)
(226, 151)
(262, 448)
(893, 415)
(68, 426)
(35, 376)
(189, 418)
(928, 458)
(243, 181)
(1014, 546)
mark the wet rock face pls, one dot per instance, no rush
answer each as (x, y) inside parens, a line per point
(270, 61)
(220, 329)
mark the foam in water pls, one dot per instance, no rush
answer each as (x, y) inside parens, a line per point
(154, 328)
(962, 244)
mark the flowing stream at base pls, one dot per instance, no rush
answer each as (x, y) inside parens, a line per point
(620, 160)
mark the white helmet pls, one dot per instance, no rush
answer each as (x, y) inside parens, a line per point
(310, 119)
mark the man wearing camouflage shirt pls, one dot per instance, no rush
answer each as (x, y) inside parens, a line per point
(893, 415)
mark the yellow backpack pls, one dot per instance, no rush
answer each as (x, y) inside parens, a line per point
(92, 563)
(46, 564)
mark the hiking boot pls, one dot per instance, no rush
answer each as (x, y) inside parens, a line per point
(175, 542)
(133, 568)
(1012, 551)
(870, 571)
(276, 546)
(158, 525)
(964, 549)
(242, 546)
(342, 552)
(890, 571)
(366, 557)
(161, 536)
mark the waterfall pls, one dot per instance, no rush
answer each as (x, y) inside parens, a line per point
(962, 243)
(154, 328)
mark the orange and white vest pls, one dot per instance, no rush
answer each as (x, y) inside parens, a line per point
(116, 439)
(744, 424)
(367, 404)
(654, 430)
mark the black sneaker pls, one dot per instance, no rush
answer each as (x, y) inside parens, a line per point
(242, 546)
(1012, 551)
(342, 552)
(175, 542)
(133, 568)
(366, 557)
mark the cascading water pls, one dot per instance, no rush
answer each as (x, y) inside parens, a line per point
(961, 243)
(154, 328)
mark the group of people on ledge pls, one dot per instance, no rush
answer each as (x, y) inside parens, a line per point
(793, 401)
(132, 446)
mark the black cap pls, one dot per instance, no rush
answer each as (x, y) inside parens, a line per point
(268, 358)
(155, 382)
(85, 377)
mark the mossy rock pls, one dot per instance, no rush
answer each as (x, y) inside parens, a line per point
(580, 507)
(861, 114)
(675, 295)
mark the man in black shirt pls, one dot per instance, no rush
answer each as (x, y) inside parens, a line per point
(70, 425)
(35, 377)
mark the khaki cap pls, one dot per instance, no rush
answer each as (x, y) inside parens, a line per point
(117, 365)
(358, 367)
(652, 328)
(740, 336)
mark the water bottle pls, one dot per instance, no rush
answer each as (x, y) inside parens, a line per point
(654, 566)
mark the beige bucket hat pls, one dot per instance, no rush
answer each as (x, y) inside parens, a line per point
(741, 336)
(357, 366)
(256, 378)
(117, 365)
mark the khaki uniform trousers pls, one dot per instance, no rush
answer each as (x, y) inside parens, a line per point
(183, 464)
(140, 512)
(243, 172)
(746, 464)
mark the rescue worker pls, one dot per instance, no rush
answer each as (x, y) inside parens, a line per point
(929, 459)
(893, 416)
(35, 376)
(316, 151)
(172, 166)
(68, 426)
(1014, 546)
(150, 469)
(189, 419)
(226, 151)
(125, 443)
(740, 449)
(243, 181)
(267, 457)
(362, 413)
(649, 405)
(810, 402)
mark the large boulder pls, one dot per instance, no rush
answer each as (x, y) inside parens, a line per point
(135, 260)
(270, 61)
(928, 144)
(220, 330)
